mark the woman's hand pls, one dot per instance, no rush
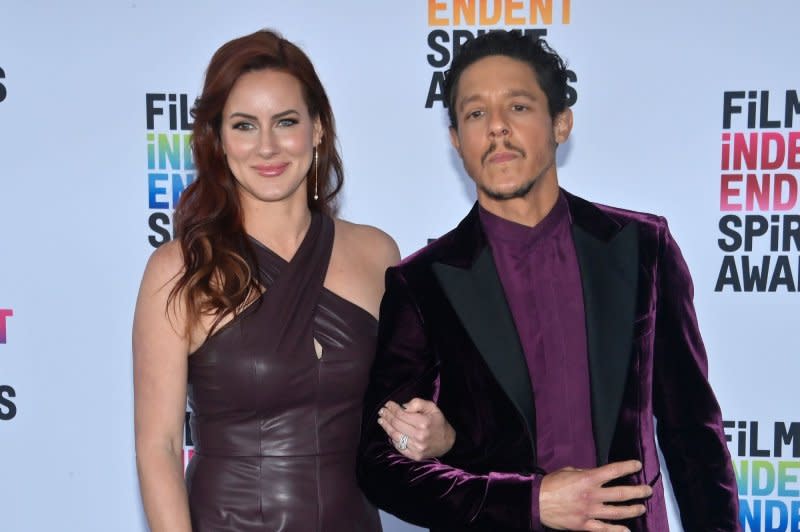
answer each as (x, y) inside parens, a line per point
(418, 429)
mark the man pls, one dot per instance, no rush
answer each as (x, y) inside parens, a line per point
(550, 331)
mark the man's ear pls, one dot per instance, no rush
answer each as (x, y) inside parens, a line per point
(562, 126)
(454, 140)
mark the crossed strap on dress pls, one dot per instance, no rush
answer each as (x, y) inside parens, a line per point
(291, 297)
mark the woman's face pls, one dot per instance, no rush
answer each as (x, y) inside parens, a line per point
(268, 137)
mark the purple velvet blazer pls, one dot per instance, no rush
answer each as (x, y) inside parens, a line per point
(446, 334)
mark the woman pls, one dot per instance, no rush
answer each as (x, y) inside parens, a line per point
(265, 306)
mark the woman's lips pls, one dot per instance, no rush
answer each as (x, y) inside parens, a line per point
(271, 170)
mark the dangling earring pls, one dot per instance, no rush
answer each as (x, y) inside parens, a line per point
(316, 173)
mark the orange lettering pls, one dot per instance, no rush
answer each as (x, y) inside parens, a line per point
(494, 18)
(510, 7)
(433, 13)
(543, 8)
(465, 8)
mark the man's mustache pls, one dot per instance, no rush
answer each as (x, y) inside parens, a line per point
(506, 144)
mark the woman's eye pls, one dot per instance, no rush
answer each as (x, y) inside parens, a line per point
(243, 126)
(286, 122)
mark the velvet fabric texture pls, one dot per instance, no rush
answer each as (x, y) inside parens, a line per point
(538, 268)
(446, 334)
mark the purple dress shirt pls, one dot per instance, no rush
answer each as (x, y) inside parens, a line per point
(539, 271)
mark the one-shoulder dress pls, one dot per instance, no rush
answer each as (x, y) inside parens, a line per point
(275, 426)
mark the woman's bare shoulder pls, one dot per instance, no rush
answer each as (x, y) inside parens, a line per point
(164, 265)
(369, 242)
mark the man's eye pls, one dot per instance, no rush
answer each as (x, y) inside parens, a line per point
(475, 114)
(519, 107)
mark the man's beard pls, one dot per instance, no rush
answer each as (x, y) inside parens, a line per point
(523, 189)
(519, 192)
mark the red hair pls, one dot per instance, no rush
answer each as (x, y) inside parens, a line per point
(219, 276)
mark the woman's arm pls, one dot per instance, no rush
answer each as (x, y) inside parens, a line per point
(160, 352)
(418, 424)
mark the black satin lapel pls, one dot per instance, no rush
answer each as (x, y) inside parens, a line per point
(609, 272)
(479, 300)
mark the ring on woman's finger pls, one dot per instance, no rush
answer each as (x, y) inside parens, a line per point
(402, 443)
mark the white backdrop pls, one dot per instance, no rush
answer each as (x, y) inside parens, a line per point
(649, 134)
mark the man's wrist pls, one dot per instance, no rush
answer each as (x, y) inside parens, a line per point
(536, 521)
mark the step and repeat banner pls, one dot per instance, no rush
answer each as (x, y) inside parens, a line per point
(687, 109)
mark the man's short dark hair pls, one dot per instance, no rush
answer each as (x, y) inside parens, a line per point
(547, 65)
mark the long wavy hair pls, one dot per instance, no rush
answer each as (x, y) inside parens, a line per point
(219, 276)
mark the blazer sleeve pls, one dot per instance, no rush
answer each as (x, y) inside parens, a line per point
(428, 493)
(689, 419)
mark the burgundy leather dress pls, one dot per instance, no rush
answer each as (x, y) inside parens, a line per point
(275, 427)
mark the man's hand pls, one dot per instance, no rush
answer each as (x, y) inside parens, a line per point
(575, 499)
(427, 432)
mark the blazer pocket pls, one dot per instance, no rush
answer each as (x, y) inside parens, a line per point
(644, 325)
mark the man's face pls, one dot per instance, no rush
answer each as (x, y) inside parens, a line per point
(505, 137)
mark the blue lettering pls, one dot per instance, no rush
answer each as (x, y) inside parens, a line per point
(178, 186)
(750, 517)
(154, 189)
(783, 516)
